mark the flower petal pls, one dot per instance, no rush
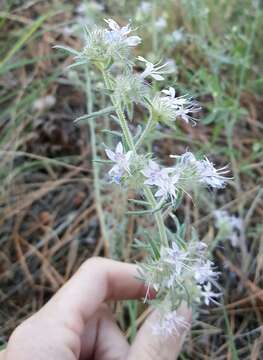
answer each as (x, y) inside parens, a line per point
(119, 148)
(157, 77)
(159, 193)
(112, 24)
(111, 155)
(133, 40)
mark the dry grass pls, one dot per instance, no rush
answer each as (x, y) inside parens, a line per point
(48, 218)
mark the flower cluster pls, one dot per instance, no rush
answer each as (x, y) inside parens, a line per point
(169, 324)
(167, 107)
(201, 171)
(184, 175)
(119, 35)
(103, 46)
(178, 270)
(130, 88)
(183, 270)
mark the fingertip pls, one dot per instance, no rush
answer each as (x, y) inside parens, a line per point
(150, 345)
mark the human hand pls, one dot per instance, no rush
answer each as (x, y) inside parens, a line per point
(76, 324)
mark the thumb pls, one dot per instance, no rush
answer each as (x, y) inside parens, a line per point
(148, 346)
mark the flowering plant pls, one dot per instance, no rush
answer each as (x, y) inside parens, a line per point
(177, 269)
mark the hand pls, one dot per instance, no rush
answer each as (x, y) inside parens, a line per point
(77, 324)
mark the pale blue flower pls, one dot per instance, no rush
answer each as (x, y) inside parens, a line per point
(155, 174)
(161, 23)
(167, 188)
(204, 272)
(118, 34)
(211, 176)
(145, 7)
(169, 324)
(121, 160)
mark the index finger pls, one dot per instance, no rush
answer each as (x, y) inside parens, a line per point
(96, 281)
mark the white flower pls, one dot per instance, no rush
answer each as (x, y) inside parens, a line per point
(198, 248)
(170, 92)
(167, 187)
(186, 159)
(155, 173)
(202, 171)
(208, 294)
(172, 65)
(122, 161)
(183, 105)
(154, 70)
(211, 176)
(184, 113)
(203, 272)
(104, 45)
(178, 36)
(170, 323)
(178, 259)
(161, 23)
(231, 225)
(169, 107)
(118, 34)
(145, 7)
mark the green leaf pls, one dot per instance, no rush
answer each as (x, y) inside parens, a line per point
(100, 161)
(139, 202)
(139, 212)
(67, 49)
(77, 63)
(111, 132)
(95, 114)
(150, 211)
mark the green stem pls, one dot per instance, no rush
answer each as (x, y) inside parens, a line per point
(96, 179)
(124, 126)
(158, 216)
(129, 140)
(120, 114)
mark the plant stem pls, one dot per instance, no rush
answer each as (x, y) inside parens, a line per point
(124, 126)
(123, 123)
(158, 216)
(129, 140)
(96, 179)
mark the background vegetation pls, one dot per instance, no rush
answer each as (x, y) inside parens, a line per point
(53, 215)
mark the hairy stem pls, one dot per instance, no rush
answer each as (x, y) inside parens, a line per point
(129, 140)
(96, 179)
(123, 123)
(158, 216)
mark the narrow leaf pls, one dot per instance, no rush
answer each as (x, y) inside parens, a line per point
(95, 114)
(111, 132)
(67, 49)
(139, 202)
